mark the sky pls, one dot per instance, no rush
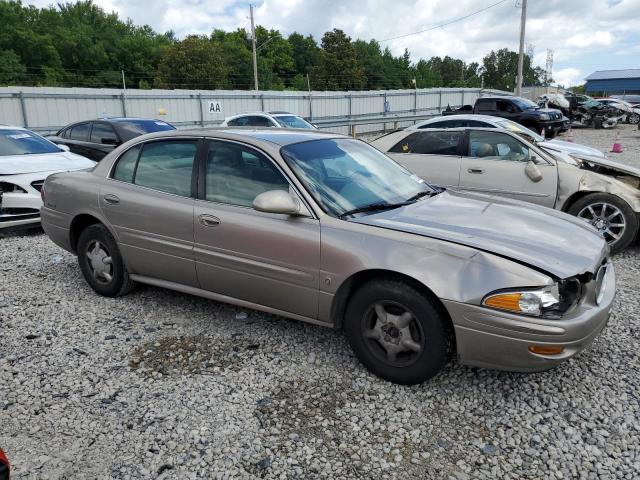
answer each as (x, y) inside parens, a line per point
(585, 35)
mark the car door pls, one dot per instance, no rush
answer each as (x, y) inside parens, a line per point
(267, 259)
(496, 163)
(149, 201)
(103, 139)
(433, 155)
(78, 139)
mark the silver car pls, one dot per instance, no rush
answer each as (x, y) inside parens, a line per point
(326, 229)
(581, 152)
(601, 192)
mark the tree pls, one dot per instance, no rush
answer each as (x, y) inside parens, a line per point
(338, 68)
(305, 52)
(500, 68)
(13, 71)
(195, 62)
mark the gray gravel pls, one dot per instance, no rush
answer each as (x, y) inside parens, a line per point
(164, 385)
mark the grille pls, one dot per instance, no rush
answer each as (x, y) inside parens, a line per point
(37, 184)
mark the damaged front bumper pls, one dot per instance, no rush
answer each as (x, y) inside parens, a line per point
(20, 200)
(504, 341)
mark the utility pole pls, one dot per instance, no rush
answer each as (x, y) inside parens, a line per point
(124, 85)
(523, 21)
(253, 45)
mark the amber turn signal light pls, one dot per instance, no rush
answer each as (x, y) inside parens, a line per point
(546, 349)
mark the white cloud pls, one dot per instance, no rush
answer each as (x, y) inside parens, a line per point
(568, 77)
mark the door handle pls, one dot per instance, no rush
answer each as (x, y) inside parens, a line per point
(475, 170)
(110, 198)
(208, 220)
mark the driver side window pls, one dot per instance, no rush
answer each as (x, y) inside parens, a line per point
(496, 146)
(236, 175)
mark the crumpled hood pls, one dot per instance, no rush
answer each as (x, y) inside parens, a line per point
(44, 162)
(569, 147)
(605, 162)
(551, 241)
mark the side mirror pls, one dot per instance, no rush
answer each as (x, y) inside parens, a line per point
(63, 147)
(278, 201)
(532, 171)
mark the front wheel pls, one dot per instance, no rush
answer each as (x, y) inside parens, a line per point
(634, 119)
(101, 263)
(397, 332)
(611, 216)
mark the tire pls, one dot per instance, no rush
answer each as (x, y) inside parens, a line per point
(634, 119)
(590, 209)
(373, 333)
(110, 279)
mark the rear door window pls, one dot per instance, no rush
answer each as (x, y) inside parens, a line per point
(166, 166)
(79, 132)
(104, 134)
(431, 143)
(486, 105)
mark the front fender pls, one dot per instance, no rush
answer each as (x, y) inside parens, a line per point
(450, 271)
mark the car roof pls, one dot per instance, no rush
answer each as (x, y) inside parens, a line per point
(280, 137)
(461, 116)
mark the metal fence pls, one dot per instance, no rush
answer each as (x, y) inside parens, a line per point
(47, 109)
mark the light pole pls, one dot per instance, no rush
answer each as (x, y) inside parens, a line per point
(523, 21)
(253, 46)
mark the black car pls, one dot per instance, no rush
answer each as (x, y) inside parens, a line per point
(95, 138)
(517, 109)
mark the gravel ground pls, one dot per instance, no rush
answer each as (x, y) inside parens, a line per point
(603, 140)
(164, 385)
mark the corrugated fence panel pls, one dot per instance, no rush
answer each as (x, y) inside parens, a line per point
(10, 111)
(49, 108)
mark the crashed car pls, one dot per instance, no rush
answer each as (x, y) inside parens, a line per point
(603, 193)
(632, 113)
(26, 160)
(455, 121)
(326, 229)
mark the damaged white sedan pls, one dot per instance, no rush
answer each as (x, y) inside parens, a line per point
(26, 160)
(601, 192)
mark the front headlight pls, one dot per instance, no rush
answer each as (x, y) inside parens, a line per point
(544, 116)
(527, 302)
(547, 302)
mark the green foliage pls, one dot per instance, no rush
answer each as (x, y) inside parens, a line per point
(195, 62)
(13, 71)
(80, 44)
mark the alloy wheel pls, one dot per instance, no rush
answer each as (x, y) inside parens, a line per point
(606, 218)
(100, 262)
(393, 334)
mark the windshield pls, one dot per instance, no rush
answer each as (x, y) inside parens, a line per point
(524, 103)
(291, 121)
(345, 175)
(24, 142)
(148, 126)
(520, 130)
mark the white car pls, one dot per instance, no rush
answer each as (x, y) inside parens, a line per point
(581, 152)
(267, 119)
(26, 160)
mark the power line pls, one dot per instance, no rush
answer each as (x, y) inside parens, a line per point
(445, 23)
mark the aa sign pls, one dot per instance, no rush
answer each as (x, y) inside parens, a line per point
(213, 107)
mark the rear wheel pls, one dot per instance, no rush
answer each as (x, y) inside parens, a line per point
(634, 119)
(397, 332)
(101, 263)
(611, 216)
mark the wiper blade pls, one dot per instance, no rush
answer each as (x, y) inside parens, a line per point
(372, 208)
(424, 193)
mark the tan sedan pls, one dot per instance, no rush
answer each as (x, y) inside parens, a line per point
(327, 229)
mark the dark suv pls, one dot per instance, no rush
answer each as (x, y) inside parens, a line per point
(517, 109)
(95, 138)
